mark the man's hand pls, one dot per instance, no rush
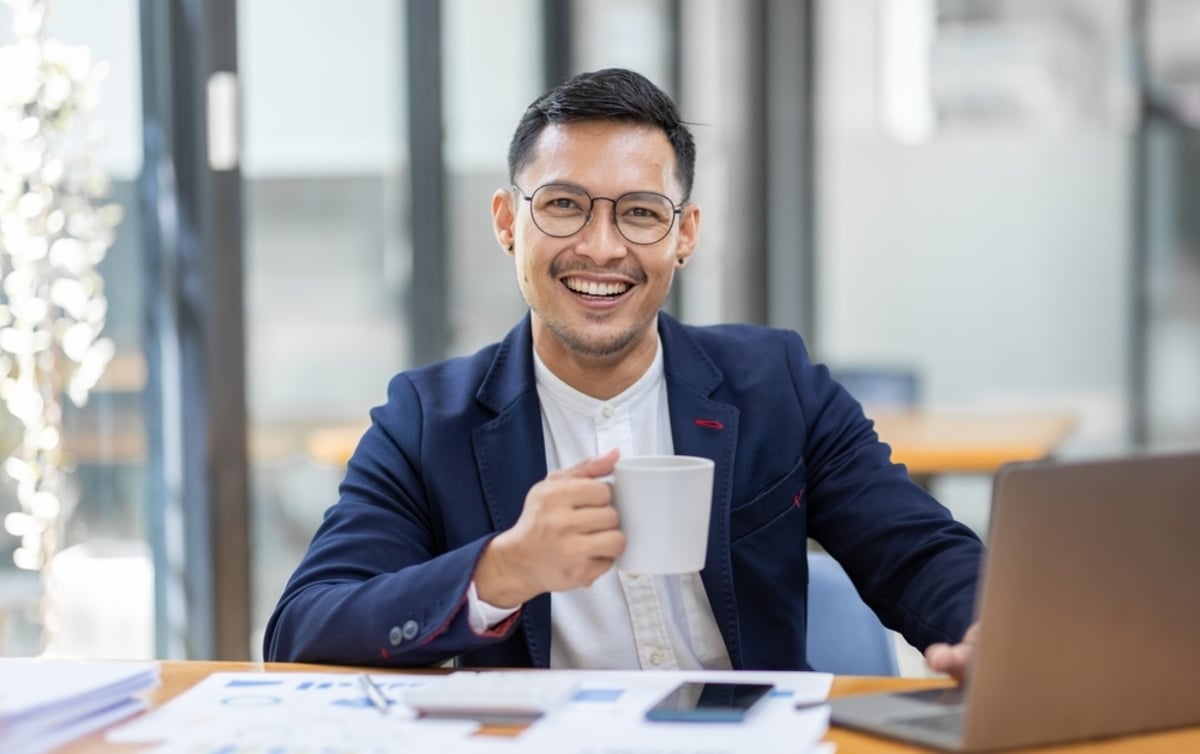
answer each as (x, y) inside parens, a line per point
(566, 537)
(954, 659)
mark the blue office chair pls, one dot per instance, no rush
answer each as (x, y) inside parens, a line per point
(844, 635)
(881, 387)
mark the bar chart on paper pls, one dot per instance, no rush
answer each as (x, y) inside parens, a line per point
(240, 713)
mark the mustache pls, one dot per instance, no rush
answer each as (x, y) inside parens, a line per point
(560, 267)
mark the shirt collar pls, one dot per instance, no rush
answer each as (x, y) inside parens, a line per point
(550, 386)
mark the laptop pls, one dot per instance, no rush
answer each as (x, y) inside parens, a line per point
(1089, 605)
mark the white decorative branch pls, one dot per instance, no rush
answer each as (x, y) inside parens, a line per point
(55, 227)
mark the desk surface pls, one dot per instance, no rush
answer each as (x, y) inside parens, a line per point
(178, 676)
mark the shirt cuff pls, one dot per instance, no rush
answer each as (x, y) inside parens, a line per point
(482, 616)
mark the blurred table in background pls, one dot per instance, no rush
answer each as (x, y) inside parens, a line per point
(333, 445)
(931, 442)
(928, 441)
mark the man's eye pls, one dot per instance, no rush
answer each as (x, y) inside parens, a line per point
(644, 214)
(562, 206)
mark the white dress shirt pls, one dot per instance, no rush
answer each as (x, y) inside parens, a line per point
(622, 620)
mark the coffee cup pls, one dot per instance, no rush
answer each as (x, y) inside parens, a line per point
(664, 504)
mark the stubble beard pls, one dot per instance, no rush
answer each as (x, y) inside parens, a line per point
(579, 344)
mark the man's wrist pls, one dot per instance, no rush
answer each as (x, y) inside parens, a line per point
(497, 581)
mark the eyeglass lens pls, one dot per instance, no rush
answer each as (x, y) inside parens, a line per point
(642, 217)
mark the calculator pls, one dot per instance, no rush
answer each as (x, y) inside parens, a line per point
(498, 696)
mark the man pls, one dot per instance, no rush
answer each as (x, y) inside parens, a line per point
(473, 522)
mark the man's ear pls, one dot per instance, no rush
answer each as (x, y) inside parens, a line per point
(504, 216)
(689, 233)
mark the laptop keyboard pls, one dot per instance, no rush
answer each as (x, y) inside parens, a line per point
(952, 697)
(950, 722)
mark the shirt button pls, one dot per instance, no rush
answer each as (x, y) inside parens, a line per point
(410, 629)
(607, 412)
(395, 636)
(656, 657)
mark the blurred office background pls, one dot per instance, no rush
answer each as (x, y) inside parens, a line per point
(999, 198)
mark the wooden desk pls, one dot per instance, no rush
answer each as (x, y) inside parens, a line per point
(178, 676)
(931, 442)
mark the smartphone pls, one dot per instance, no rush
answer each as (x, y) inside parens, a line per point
(695, 701)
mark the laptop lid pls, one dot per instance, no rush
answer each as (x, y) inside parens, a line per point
(1089, 605)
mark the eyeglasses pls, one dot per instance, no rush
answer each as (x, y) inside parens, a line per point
(561, 210)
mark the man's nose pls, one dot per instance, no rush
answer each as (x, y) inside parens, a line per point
(600, 239)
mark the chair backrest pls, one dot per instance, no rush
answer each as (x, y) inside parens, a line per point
(881, 387)
(844, 635)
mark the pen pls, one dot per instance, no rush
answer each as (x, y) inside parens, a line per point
(374, 694)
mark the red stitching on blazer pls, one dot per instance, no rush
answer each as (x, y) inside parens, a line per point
(798, 498)
(709, 424)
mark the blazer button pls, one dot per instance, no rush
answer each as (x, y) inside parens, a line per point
(395, 636)
(411, 628)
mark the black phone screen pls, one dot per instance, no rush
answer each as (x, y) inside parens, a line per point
(708, 702)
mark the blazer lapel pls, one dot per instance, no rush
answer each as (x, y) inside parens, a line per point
(510, 455)
(701, 426)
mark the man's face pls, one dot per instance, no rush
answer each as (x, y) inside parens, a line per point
(595, 293)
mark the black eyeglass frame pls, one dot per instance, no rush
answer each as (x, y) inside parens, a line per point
(676, 211)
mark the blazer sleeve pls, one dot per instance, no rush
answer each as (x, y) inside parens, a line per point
(377, 586)
(910, 560)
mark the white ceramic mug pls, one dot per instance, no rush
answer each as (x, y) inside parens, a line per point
(664, 504)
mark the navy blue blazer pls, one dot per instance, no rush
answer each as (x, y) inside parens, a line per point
(449, 458)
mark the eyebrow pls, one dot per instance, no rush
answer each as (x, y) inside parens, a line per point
(589, 192)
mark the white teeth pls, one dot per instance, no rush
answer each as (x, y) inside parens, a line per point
(592, 288)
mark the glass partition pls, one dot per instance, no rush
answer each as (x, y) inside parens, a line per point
(325, 172)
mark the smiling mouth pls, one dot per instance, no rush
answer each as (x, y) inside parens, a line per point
(596, 289)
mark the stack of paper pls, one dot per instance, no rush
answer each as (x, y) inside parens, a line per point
(46, 703)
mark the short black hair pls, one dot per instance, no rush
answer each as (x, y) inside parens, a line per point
(614, 94)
